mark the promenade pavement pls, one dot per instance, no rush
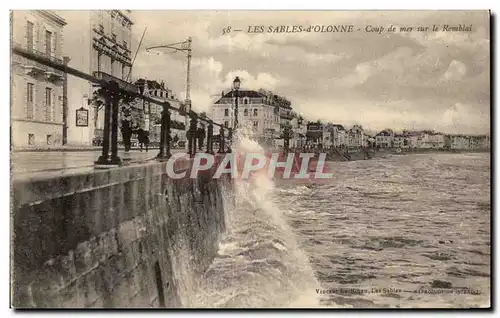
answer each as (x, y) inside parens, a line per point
(39, 164)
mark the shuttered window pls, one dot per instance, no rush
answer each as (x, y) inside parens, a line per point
(30, 35)
(30, 91)
(48, 43)
(48, 104)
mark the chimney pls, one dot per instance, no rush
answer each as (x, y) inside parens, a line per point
(222, 94)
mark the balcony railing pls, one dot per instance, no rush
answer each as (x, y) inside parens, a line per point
(121, 83)
(35, 66)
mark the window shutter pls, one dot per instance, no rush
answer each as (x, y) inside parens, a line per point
(25, 99)
(54, 44)
(53, 106)
(44, 30)
(26, 31)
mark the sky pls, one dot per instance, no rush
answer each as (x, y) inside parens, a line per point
(401, 80)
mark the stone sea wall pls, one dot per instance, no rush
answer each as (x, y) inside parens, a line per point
(124, 237)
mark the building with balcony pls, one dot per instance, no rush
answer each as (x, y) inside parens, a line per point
(254, 111)
(314, 134)
(431, 140)
(299, 129)
(37, 90)
(385, 138)
(356, 137)
(96, 41)
(149, 114)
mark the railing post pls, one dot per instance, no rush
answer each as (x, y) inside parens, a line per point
(222, 146)
(230, 139)
(192, 135)
(109, 155)
(210, 137)
(165, 134)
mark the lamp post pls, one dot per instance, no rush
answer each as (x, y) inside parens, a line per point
(236, 87)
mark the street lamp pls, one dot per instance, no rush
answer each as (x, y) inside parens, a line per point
(236, 87)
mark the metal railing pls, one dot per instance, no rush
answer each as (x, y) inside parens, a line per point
(116, 89)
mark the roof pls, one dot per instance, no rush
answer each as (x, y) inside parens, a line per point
(151, 84)
(384, 133)
(241, 93)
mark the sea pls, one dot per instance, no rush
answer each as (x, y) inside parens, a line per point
(405, 231)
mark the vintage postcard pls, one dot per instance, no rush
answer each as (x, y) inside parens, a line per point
(250, 159)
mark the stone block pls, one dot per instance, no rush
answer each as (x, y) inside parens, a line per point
(140, 226)
(83, 258)
(126, 233)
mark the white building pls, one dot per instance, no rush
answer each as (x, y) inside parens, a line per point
(37, 90)
(430, 139)
(299, 128)
(152, 112)
(254, 111)
(384, 139)
(95, 41)
(355, 136)
(400, 141)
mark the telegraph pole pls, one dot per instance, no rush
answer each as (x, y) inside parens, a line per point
(188, 88)
(184, 47)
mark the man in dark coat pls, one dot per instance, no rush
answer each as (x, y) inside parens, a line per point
(126, 134)
(143, 138)
(201, 137)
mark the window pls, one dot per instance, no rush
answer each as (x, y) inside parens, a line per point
(255, 112)
(30, 89)
(124, 72)
(113, 37)
(245, 101)
(245, 112)
(31, 139)
(112, 67)
(226, 112)
(49, 139)
(29, 35)
(226, 124)
(255, 124)
(48, 104)
(99, 62)
(29, 93)
(48, 43)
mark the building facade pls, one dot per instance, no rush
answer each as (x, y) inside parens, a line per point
(314, 135)
(432, 140)
(151, 118)
(299, 129)
(96, 41)
(356, 136)
(254, 112)
(384, 139)
(37, 90)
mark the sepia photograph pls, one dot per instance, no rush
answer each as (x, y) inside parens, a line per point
(250, 159)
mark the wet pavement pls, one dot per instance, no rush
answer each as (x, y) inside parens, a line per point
(50, 164)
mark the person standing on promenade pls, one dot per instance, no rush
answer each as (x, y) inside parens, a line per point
(126, 128)
(201, 136)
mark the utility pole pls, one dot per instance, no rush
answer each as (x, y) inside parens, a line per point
(184, 47)
(188, 88)
(66, 60)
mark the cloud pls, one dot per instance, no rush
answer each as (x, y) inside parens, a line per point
(456, 71)
(377, 80)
